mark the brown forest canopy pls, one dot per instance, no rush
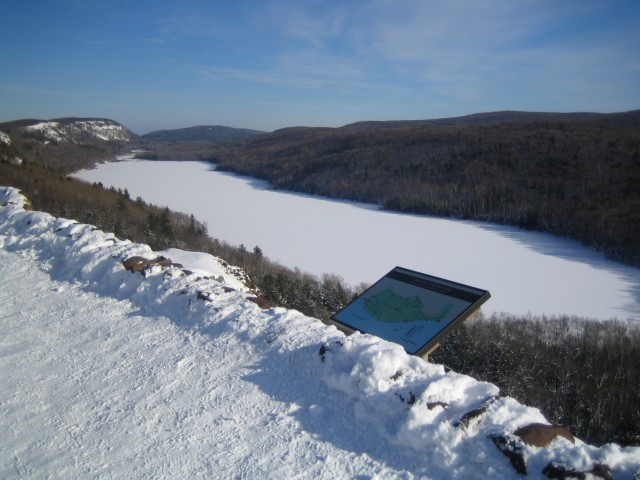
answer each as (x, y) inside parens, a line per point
(576, 175)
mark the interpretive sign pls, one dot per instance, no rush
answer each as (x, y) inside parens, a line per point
(412, 309)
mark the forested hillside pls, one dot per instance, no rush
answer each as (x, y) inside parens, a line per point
(576, 175)
(192, 143)
(64, 144)
(70, 144)
(202, 133)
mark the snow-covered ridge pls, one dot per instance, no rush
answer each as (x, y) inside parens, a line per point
(79, 131)
(358, 392)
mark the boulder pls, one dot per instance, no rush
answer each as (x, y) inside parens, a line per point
(139, 264)
(557, 471)
(512, 448)
(475, 414)
(540, 435)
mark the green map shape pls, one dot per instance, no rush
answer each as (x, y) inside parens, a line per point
(388, 306)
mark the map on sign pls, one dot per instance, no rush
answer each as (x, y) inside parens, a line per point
(389, 306)
(412, 309)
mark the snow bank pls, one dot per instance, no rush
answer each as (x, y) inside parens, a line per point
(358, 393)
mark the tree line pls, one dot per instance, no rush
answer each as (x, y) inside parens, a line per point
(583, 374)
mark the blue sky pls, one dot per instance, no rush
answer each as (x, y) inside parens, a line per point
(276, 63)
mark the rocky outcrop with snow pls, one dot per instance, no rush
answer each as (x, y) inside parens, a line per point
(5, 139)
(65, 144)
(80, 131)
(358, 392)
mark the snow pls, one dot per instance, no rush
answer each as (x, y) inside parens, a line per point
(204, 264)
(526, 272)
(51, 130)
(4, 138)
(107, 373)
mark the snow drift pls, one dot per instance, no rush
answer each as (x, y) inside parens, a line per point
(371, 408)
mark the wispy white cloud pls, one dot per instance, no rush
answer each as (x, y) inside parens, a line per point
(313, 22)
(435, 43)
(470, 50)
(480, 53)
(289, 71)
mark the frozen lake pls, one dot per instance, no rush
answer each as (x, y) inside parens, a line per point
(526, 272)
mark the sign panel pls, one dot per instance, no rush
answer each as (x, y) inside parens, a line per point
(412, 309)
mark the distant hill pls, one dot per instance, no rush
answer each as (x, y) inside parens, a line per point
(81, 131)
(507, 116)
(203, 133)
(70, 144)
(67, 144)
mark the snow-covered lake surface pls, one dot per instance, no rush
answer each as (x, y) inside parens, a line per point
(526, 272)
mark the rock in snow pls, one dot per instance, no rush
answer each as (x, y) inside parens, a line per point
(167, 370)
